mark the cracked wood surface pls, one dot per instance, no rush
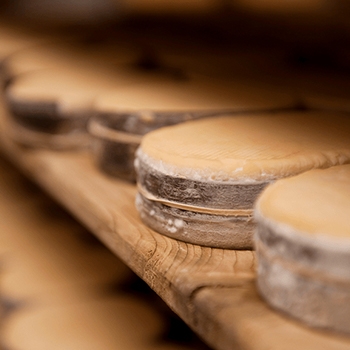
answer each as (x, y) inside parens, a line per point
(211, 289)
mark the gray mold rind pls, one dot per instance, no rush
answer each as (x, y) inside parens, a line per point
(217, 231)
(304, 276)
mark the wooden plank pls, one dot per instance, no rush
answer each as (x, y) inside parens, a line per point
(180, 273)
(238, 314)
(62, 289)
(46, 256)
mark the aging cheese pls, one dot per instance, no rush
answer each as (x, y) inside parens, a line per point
(124, 114)
(315, 203)
(66, 87)
(303, 247)
(216, 167)
(51, 106)
(250, 148)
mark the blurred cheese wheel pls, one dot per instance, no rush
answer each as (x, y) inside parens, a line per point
(122, 116)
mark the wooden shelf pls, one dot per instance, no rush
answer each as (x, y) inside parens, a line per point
(213, 290)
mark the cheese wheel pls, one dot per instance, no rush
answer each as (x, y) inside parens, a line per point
(303, 247)
(123, 115)
(50, 107)
(213, 169)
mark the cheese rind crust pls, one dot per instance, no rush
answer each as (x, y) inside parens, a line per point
(250, 148)
(303, 247)
(224, 163)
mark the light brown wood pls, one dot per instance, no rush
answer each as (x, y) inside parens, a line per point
(238, 314)
(46, 257)
(177, 271)
(70, 292)
(118, 322)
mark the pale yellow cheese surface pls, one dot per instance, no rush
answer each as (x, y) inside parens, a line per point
(198, 94)
(75, 86)
(70, 89)
(316, 202)
(250, 148)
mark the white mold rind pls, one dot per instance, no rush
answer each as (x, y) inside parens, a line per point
(306, 277)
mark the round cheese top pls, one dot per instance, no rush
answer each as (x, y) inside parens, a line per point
(193, 95)
(315, 202)
(260, 147)
(72, 88)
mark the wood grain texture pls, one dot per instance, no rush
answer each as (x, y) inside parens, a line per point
(238, 314)
(180, 273)
(62, 289)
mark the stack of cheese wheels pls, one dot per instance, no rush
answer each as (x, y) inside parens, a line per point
(124, 115)
(303, 247)
(198, 181)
